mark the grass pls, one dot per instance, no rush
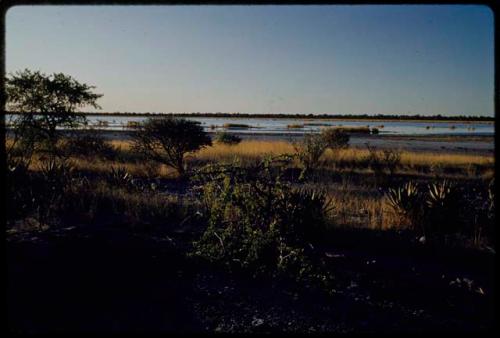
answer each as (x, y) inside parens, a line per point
(359, 204)
(160, 211)
(252, 150)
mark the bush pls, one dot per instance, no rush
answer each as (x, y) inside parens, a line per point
(226, 138)
(382, 161)
(258, 223)
(169, 140)
(335, 138)
(309, 152)
(89, 143)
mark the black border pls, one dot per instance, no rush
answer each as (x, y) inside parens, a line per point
(6, 4)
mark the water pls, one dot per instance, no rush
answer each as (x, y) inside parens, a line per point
(280, 125)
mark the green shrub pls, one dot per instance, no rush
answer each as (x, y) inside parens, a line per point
(309, 152)
(227, 138)
(259, 223)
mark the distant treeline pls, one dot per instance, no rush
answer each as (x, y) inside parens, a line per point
(437, 117)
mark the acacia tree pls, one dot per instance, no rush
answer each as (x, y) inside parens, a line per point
(43, 103)
(168, 140)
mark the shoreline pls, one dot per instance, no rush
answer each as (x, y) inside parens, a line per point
(321, 117)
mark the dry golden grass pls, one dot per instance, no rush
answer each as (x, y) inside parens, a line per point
(252, 150)
(245, 150)
(256, 149)
(357, 206)
(411, 158)
(357, 210)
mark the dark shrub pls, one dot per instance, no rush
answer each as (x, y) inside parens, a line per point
(89, 143)
(18, 193)
(227, 138)
(382, 161)
(441, 210)
(335, 138)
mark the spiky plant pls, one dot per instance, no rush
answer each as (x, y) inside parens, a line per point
(56, 170)
(119, 176)
(407, 203)
(491, 198)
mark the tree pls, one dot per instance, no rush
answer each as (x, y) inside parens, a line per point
(168, 140)
(43, 103)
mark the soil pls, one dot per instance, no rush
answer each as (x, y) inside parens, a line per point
(107, 279)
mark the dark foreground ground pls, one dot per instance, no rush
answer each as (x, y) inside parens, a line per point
(110, 280)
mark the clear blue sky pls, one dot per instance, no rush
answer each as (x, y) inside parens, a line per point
(297, 59)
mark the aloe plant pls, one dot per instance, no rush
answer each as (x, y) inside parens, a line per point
(120, 176)
(407, 202)
(404, 199)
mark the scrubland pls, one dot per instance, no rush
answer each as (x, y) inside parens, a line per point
(351, 234)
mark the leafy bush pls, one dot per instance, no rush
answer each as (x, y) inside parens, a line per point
(259, 223)
(227, 138)
(309, 152)
(168, 140)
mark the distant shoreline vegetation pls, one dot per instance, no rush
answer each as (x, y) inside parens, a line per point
(384, 117)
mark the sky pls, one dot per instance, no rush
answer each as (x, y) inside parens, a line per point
(367, 59)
